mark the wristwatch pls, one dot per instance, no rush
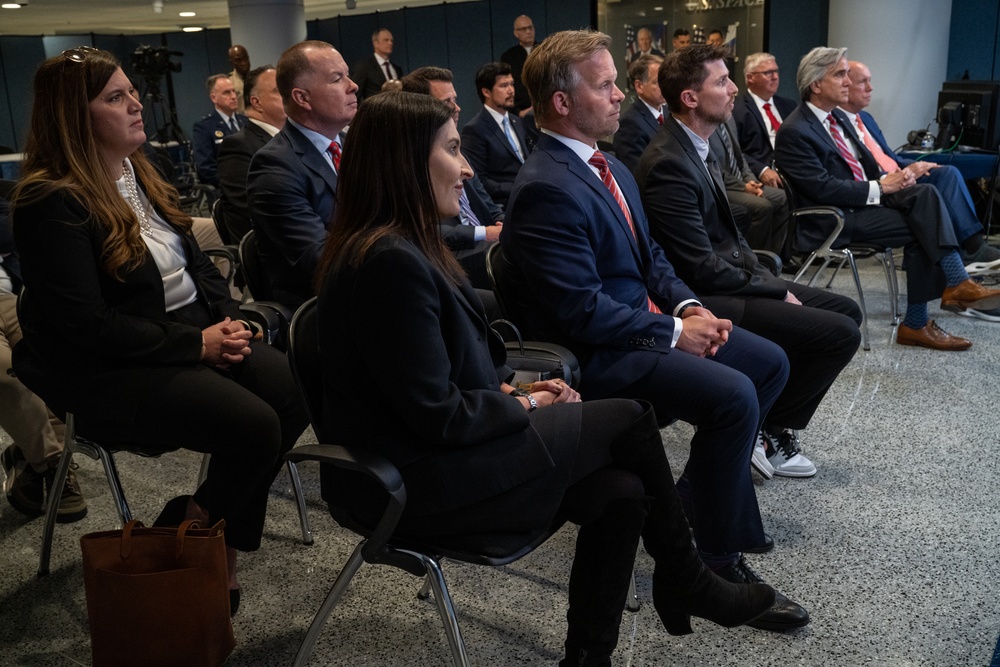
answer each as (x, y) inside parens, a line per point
(532, 403)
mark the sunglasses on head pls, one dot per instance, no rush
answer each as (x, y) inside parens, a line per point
(79, 54)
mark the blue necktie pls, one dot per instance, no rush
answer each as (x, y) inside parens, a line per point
(465, 213)
(511, 139)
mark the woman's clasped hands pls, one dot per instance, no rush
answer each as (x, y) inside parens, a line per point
(225, 343)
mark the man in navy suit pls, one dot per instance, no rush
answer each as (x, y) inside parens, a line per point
(821, 156)
(493, 141)
(210, 130)
(691, 218)
(376, 69)
(477, 227)
(587, 276)
(292, 183)
(977, 255)
(642, 120)
(756, 124)
(266, 117)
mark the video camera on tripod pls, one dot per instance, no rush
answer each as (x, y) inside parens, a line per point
(154, 62)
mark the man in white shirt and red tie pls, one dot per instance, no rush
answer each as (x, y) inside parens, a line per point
(758, 114)
(642, 120)
(978, 256)
(821, 156)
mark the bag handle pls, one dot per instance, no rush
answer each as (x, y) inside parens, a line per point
(190, 524)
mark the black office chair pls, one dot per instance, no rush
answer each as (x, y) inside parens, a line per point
(829, 252)
(346, 467)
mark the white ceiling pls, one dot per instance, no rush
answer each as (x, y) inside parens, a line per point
(114, 17)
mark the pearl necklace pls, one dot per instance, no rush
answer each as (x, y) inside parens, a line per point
(135, 202)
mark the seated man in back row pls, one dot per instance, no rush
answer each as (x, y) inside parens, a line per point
(690, 217)
(821, 156)
(978, 256)
(585, 274)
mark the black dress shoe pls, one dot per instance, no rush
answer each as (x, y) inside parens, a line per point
(768, 545)
(234, 601)
(783, 614)
(173, 512)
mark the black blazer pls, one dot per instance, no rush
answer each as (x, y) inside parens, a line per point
(692, 221)
(235, 154)
(733, 181)
(87, 335)
(370, 77)
(754, 133)
(432, 371)
(635, 128)
(291, 192)
(492, 157)
(11, 264)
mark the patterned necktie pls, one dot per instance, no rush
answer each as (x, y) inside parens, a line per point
(885, 163)
(775, 123)
(511, 139)
(734, 166)
(465, 213)
(334, 150)
(598, 160)
(232, 124)
(388, 71)
(845, 152)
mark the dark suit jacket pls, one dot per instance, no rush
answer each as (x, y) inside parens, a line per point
(85, 332)
(753, 131)
(590, 276)
(492, 157)
(370, 76)
(515, 57)
(733, 181)
(208, 134)
(434, 408)
(635, 128)
(291, 191)
(235, 154)
(691, 220)
(11, 264)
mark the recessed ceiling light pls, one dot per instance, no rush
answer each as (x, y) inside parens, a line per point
(13, 5)
(187, 14)
(192, 28)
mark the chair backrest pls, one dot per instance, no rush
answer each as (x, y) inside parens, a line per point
(218, 217)
(304, 358)
(254, 274)
(494, 269)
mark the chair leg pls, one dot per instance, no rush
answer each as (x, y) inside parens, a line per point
(835, 272)
(351, 568)
(822, 268)
(203, 470)
(425, 590)
(300, 500)
(889, 261)
(52, 504)
(632, 601)
(865, 344)
(446, 608)
(805, 267)
(115, 483)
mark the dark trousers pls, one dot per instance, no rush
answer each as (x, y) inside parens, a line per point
(246, 417)
(819, 338)
(767, 225)
(917, 220)
(726, 397)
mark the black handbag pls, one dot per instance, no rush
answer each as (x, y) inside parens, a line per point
(532, 360)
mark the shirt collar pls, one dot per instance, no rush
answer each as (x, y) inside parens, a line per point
(653, 110)
(819, 113)
(700, 144)
(497, 116)
(321, 142)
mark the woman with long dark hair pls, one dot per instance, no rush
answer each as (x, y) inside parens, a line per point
(127, 324)
(412, 371)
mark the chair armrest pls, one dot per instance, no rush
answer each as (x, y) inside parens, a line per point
(770, 260)
(376, 467)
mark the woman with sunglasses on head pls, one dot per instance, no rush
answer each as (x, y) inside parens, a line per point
(480, 458)
(126, 323)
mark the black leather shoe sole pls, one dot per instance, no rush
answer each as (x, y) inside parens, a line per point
(764, 548)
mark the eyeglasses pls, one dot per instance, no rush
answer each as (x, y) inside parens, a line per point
(527, 27)
(79, 54)
(768, 73)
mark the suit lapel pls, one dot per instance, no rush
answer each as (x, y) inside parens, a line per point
(310, 157)
(647, 116)
(868, 162)
(498, 132)
(755, 112)
(717, 188)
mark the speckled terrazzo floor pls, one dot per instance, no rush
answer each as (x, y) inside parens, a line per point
(893, 547)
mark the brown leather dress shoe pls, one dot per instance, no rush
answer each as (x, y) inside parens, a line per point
(932, 336)
(969, 294)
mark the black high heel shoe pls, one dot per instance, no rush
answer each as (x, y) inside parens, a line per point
(234, 601)
(174, 512)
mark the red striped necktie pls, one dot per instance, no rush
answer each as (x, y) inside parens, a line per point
(598, 160)
(845, 152)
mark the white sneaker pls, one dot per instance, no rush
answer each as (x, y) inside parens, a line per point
(983, 268)
(786, 461)
(759, 460)
(988, 315)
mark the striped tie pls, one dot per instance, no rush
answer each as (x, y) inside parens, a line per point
(838, 138)
(598, 160)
